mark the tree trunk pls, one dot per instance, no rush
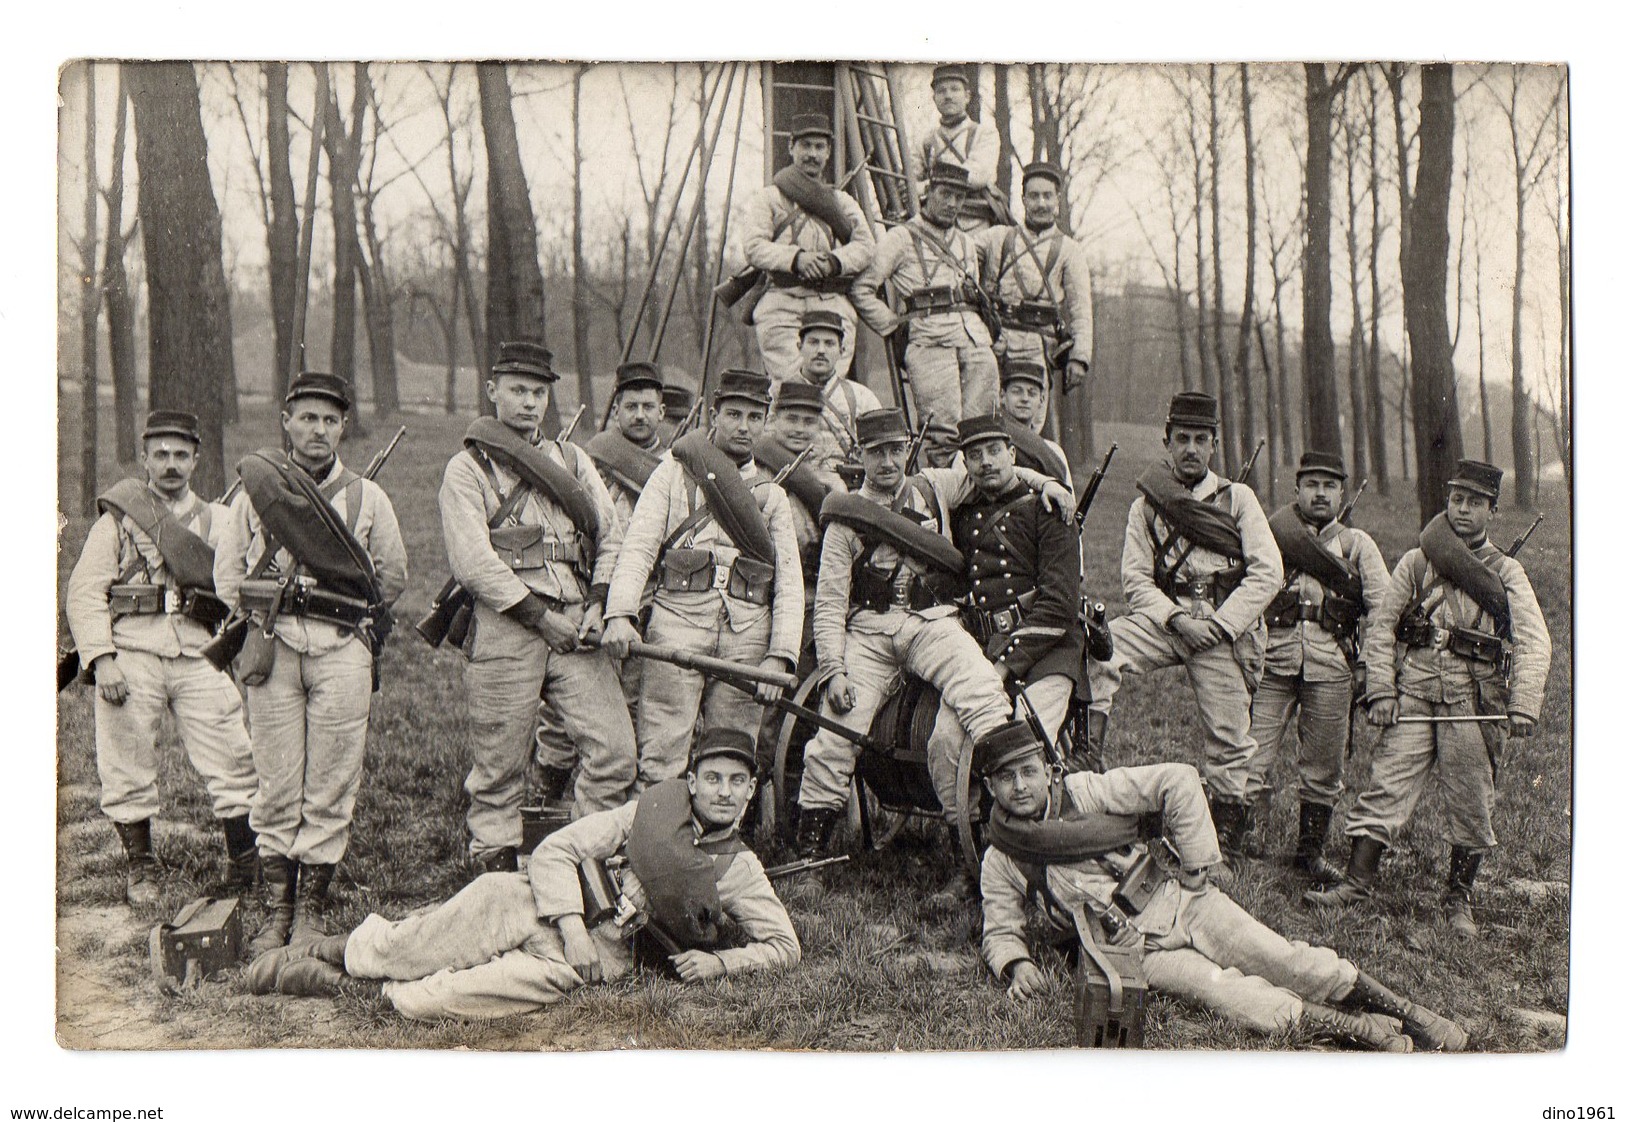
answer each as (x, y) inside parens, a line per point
(1560, 220)
(377, 293)
(116, 294)
(342, 158)
(1356, 374)
(1378, 428)
(282, 235)
(1478, 321)
(1271, 416)
(1229, 431)
(450, 402)
(1424, 267)
(514, 301)
(188, 303)
(90, 302)
(1244, 335)
(1323, 432)
(1001, 121)
(1204, 350)
(580, 306)
(1523, 461)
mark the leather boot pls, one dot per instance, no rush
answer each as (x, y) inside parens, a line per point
(1372, 1030)
(1430, 1030)
(242, 856)
(1458, 893)
(1314, 820)
(1365, 854)
(263, 975)
(813, 831)
(310, 907)
(553, 782)
(140, 866)
(1230, 823)
(281, 876)
(1257, 823)
(310, 977)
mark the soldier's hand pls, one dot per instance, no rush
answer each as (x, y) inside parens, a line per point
(1076, 372)
(558, 632)
(1520, 726)
(619, 634)
(580, 952)
(1384, 712)
(766, 693)
(1190, 631)
(841, 693)
(110, 680)
(1026, 980)
(591, 631)
(1057, 500)
(697, 966)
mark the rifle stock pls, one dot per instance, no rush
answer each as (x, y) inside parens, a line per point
(1093, 487)
(1524, 537)
(916, 443)
(1348, 507)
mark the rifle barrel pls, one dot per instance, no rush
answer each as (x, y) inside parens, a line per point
(706, 664)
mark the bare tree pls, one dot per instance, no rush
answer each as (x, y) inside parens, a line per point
(580, 309)
(1319, 370)
(1001, 121)
(1229, 431)
(116, 292)
(1424, 266)
(343, 159)
(1377, 430)
(89, 307)
(1356, 356)
(1531, 155)
(1279, 238)
(1557, 210)
(189, 310)
(1244, 332)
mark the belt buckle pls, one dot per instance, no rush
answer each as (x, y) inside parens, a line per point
(172, 601)
(1440, 639)
(1201, 588)
(1004, 621)
(720, 575)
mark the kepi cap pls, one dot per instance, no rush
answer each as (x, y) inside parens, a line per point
(1328, 463)
(1479, 477)
(1043, 169)
(1005, 745)
(525, 356)
(882, 426)
(952, 175)
(678, 399)
(822, 318)
(638, 375)
(975, 430)
(172, 422)
(796, 394)
(1194, 409)
(810, 124)
(731, 743)
(1024, 370)
(950, 72)
(314, 383)
(747, 384)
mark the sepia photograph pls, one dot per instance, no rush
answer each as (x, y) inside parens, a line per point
(833, 556)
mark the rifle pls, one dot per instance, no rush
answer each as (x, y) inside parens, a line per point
(805, 865)
(915, 443)
(1524, 537)
(67, 658)
(1348, 507)
(1092, 488)
(228, 644)
(569, 429)
(690, 418)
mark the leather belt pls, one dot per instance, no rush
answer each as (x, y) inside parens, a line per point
(840, 284)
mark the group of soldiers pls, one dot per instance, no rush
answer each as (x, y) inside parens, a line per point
(792, 521)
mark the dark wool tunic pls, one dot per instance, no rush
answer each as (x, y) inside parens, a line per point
(1014, 548)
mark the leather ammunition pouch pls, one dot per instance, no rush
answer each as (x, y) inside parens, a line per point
(136, 600)
(840, 284)
(987, 623)
(1030, 315)
(532, 547)
(204, 607)
(1415, 630)
(1214, 588)
(877, 590)
(751, 581)
(687, 570)
(300, 598)
(936, 299)
(697, 570)
(1337, 616)
(1285, 610)
(1140, 882)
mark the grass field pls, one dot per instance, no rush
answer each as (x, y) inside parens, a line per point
(882, 969)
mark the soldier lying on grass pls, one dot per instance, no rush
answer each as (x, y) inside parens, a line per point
(1068, 843)
(515, 942)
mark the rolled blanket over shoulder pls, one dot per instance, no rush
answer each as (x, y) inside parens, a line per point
(294, 513)
(872, 520)
(532, 465)
(1071, 837)
(1448, 554)
(1303, 550)
(189, 559)
(678, 870)
(726, 494)
(815, 197)
(1208, 526)
(621, 460)
(803, 483)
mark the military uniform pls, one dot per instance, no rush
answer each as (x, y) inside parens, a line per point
(965, 144)
(1308, 665)
(1207, 585)
(156, 645)
(308, 718)
(1022, 577)
(538, 558)
(841, 401)
(1041, 281)
(879, 615)
(714, 620)
(1033, 449)
(1197, 943)
(774, 230)
(494, 949)
(1443, 653)
(949, 356)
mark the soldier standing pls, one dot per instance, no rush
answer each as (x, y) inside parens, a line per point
(810, 241)
(933, 267)
(1040, 279)
(141, 605)
(717, 533)
(531, 532)
(962, 142)
(630, 446)
(1024, 392)
(1069, 844)
(841, 399)
(793, 427)
(308, 712)
(514, 943)
(1335, 577)
(1459, 634)
(1199, 567)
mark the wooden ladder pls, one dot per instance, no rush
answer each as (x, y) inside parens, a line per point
(875, 139)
